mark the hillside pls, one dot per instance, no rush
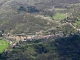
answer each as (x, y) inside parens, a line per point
(40, 29)
(13, 5)
(19, 23)
(19, 16)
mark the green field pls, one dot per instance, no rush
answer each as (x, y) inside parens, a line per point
(59, 16)
(3, 45)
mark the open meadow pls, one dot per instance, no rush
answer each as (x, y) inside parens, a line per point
(3, 45)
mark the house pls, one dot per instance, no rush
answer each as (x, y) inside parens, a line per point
(21, 36)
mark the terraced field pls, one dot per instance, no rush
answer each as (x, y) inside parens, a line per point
(3, 45)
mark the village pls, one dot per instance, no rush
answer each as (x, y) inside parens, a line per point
(14, 39)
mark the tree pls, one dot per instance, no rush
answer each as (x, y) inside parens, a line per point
(0, 34)
(41, 49)
(21, 8)
(32, 9)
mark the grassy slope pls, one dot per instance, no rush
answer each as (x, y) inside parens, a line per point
(3, 45)
(59, 16)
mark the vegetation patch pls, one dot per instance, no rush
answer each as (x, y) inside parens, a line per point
(59, 16)
(77, 24)
(3, 45)
(5, 22)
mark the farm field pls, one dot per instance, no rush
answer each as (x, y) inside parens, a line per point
(3, 45)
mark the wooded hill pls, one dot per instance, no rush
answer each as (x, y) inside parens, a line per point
(19, 16)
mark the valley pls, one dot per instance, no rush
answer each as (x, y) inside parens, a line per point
(39, 29)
